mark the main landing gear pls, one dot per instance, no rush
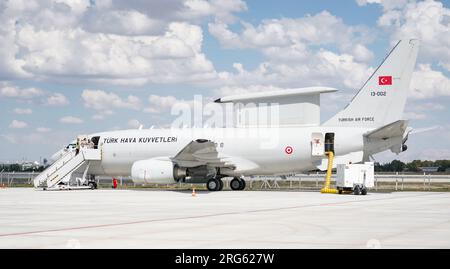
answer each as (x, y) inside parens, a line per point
(216, 184)
(237, 184)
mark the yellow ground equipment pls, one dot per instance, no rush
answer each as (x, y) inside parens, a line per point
(326, 188)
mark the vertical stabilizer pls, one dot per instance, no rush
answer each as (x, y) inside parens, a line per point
(382, 98)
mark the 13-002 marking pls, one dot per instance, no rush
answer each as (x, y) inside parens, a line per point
(383, 93)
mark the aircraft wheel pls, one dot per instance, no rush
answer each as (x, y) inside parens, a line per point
(235, 184)
(220, 187)
(212, 184)
(242, 184)
(92, 185)
(364, 191)
(356, 190)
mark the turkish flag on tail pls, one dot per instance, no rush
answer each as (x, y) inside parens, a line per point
(385, 80)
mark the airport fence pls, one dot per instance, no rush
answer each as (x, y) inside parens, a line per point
(313, 181)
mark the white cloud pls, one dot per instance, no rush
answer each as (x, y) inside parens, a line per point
(176, 56)
(15, 124)
(134, 42)
(57, 99)
(387, 4)
(43, 130)
(294, 55)
(428, 106)
(49, 142)
(361, 53)
(322, 68)
(10, 65)
(119, 43)
(134, 123)
(428, 21)
(165, 11)
(71, 120)
(412, 115)
(222, 10)
(106, 102)
(139, 42)
(295, 35)
(159, 104)
(11, 91)
(428, 83)
(23, 111)
(32, 95)
(365, 2)
(420, 110)
(122, 22)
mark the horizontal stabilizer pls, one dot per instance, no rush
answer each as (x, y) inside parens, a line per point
(396, 128)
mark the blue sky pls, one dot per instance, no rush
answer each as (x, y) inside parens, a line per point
(74, 67)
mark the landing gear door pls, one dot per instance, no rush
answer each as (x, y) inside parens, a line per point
(317, 145)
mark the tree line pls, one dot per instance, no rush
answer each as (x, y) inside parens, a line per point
(414, 166)
(15, 167)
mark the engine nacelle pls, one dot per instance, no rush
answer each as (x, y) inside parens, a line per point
(399, 148)
(404, 147)
(156, 171)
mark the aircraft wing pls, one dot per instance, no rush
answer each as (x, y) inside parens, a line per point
(396, 128)
(204, 152)
(200, 152)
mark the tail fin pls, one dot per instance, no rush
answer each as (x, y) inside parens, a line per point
(382, 98)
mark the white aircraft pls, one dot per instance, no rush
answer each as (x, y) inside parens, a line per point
(370, 123)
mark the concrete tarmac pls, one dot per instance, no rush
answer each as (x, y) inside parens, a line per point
(229, 219)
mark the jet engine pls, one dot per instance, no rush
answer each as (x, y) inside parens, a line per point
(164, 171)
(156, 171)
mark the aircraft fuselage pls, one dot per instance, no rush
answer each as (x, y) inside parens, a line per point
(271, 150)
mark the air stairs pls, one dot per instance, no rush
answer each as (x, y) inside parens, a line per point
(62, 170)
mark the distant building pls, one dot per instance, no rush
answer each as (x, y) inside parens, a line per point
(430, 169)
(30, 165)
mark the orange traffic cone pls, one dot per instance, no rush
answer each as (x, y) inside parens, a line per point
(193, 192)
